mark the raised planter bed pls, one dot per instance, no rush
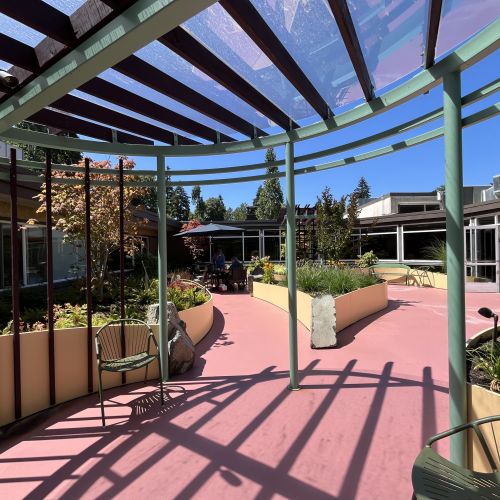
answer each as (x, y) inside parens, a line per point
(325, 316)
(481, 402)
(71, 364)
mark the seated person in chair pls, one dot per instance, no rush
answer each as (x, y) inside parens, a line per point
(235, 264)
(219, 260)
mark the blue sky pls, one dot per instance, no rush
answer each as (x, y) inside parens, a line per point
(420, 168)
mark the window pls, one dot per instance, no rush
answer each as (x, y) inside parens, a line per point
(384, 246)
(417, 244)
(36, 255)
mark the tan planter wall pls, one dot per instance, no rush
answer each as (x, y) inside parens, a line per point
(356, 305)
(350, 307)
(435, 280)
(70, 364)
(481, 403)
(278, 296)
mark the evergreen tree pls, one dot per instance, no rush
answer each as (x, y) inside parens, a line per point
(257, 195)
(178, 204)
(362, 189)
(269, 199)
(215, 209)
(199, 204)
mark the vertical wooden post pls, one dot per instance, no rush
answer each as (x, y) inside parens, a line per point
(122, 261)
(50, 277)
(14, 259)
(88, 279)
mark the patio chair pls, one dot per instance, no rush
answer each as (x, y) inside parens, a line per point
(238, 277)
(434, 477)
(123, 345)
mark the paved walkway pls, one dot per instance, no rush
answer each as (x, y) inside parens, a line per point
(231, 429)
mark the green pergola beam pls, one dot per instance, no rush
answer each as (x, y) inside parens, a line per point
(291, 267)
(455, 263)
(477, 117)
(162, 265)
(478, 47)
(140, 24)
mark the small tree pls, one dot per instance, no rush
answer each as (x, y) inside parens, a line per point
(240, 213)
(197, 245)
(68, 211)
(178, 204)
(215, 208)
(363, 189)
(335, 223)
(269, 198)
(199, 203)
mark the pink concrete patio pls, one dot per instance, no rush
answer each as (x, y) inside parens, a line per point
(231, 429)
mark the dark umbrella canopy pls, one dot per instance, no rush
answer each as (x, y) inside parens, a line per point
(210, 230)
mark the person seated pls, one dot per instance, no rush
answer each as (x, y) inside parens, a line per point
(219, 260)
(235, 264)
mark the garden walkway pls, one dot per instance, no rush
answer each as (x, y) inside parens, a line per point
(231, 429)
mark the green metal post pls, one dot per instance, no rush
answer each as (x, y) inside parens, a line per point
(162, 264)
(291, 266)
(455, 261)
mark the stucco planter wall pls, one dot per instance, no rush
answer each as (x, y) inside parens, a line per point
(70, 364)
(481, 403)
(435, 280)
(325, 316)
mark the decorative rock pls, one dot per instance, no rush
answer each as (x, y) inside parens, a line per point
(323, 332)
(180, 346)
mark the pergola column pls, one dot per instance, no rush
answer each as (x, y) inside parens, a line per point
(291, 265)
(162, 264)
(455, 261)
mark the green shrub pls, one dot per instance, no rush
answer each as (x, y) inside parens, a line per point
(367, 259)
(486, 359)
(315, 280)
(279, 269)
(437, 251)
(184, 295)
(257, 262)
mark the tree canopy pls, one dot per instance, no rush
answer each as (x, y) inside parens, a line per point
(215, 208)
(362, 189)
(269, 198)
(199, 203)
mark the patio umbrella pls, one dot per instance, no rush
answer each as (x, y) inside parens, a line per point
(210, 230)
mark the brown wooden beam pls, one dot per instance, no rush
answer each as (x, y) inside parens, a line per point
(342, 16)
(117, 95)
(18, 54)
(248, 17)
(186, 46)
(432, 28)
(148, 75)
(86, 109)
(41, 17)
(71, 124)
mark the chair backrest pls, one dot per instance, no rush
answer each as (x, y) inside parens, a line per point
(122, 338)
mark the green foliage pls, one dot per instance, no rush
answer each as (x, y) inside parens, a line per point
(315, 280)
(185, 295)
(269, 198)
(240, 212)
(70, 316)
(367, 259)
(268, 273)
(36, 153)
(199, 203)
(257, 261)
(178, 204)
(362, 190)
(215, 209)
(437, 251)
(335, 223)
(486, 359)
(280, 269)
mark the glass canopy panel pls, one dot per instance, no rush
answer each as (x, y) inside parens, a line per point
(132, 114)
(220, 33)
(66, 6)
(142, 90)
(310, 34)
(13, 29)
(460, 19)
(167, 61)
(391, 34)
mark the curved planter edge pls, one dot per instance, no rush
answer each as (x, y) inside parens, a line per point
(71, 364)
(315, 313)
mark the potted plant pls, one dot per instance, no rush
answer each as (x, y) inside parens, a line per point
(279, 272)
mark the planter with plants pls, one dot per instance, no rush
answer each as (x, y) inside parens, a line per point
(328, 299)
(279, 272)
(483, 394)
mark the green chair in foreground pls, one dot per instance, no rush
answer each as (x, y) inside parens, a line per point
(124, 345)
(435, 478)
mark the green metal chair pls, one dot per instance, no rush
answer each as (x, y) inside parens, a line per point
(435, 478)
(124, 345)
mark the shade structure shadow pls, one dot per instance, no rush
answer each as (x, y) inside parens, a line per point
(146, 444)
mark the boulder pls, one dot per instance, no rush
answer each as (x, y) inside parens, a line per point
(323, 328)
(180, 345)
